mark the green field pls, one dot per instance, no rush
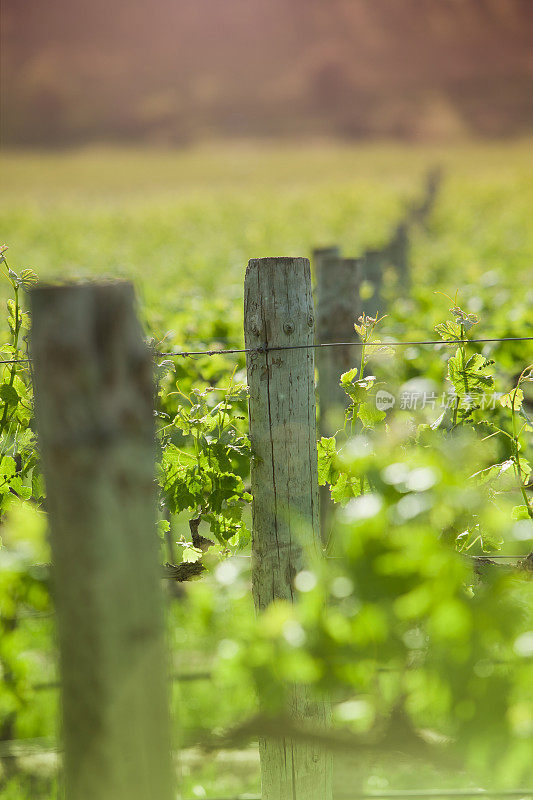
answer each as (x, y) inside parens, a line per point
(182, 226)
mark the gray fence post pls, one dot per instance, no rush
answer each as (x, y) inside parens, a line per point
(278, 311)
(94, 410)
(373, 266)
(338, 308)
(398, 255)
(338, 282)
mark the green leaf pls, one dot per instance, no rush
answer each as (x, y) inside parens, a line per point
(9, 394)
(369, 415)
(520, 512)
(455, 371)
(449, 330)
(8, 468)
(515, 396)
(358, 390)
(493, 472)
(348, 377)
(190, 553)
(345, 488)
(469, 376)
(28, 278)
(327, 454)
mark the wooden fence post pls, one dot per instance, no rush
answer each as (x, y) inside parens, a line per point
(94, 401)
(338, 308)
(373, 266)
(278, 311)
(338, 282)
(420, 211)
(321, 254)
(398, 255)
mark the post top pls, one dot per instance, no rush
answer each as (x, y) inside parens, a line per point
(81, 285)
(281, 261)
(332, 250)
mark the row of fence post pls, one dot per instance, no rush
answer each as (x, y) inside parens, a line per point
(345, 288)
(94, 413)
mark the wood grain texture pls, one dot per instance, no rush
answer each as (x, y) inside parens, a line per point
(94, 411)
(279, 312)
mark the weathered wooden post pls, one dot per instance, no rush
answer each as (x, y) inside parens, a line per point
(94, 393)
(321, 254)
(278, 312)
(325, 264)
(338, 282)
(338, 308)
(398, 255)
(373, 266)
(420, 212)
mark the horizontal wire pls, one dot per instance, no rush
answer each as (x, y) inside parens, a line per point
(439, 794)
(267, 349)
(48, 564)
(483, 557)
(491, 555)
(401, 794)
(177, 677)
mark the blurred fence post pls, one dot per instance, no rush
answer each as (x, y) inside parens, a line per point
(94, 411)
(338, 308)
(373, 266)
(338, 282)
(321, 254)
(398, 255)
(278, 311)
(420, 212)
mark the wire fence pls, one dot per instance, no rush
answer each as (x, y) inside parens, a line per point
(384, 343)
(267, 349)
(482, 559)
(438, 794)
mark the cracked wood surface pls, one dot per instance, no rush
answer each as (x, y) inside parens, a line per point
(279, 311)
